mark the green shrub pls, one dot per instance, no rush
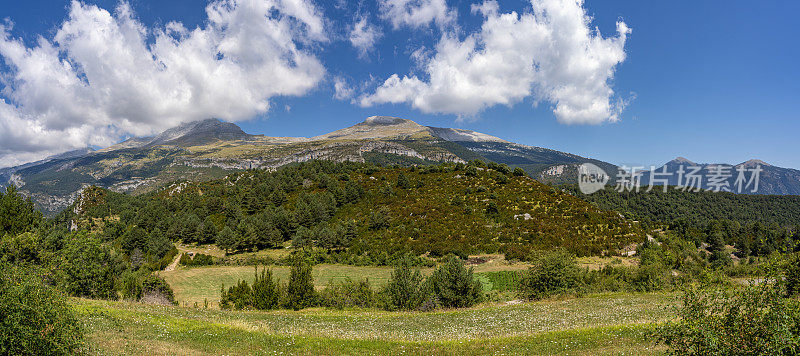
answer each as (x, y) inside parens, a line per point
(552, 273)
(792, 277)
(88, 268)
(199, 259)
(131, 286)
(155, 289)
(266, 291)
(238, 297)
(348, 294)
(406, 289)
(753, 320)
(21, 248)
(300, 290)
(454, 285)
(35, 318)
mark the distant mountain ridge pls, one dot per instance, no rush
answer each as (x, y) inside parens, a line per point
(211, 149)
(771, 180)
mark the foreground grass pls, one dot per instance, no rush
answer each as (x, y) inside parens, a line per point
(597, 324)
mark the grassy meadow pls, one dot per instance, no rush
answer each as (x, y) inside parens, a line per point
(197, 285)
(613, 323)
(202, 284)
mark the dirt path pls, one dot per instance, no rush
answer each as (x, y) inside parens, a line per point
(174, 262)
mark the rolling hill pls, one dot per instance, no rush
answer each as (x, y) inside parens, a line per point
(360, 209)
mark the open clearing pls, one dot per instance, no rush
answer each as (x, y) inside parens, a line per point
(203, 284)
(197, 285)
(596, 324)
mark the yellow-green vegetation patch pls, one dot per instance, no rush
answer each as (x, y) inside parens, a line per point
(600, 324)
(198, 285)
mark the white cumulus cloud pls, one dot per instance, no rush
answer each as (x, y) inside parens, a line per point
(550, 54)
(363, 36)
(416, 13)
(104, 74)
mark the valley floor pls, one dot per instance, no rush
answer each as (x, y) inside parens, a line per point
(611, 323)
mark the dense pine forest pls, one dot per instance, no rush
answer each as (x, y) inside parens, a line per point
(755, 224)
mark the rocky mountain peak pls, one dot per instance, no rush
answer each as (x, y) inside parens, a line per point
(188, 134)
(681, 160)
(753, 163)
(386, 120)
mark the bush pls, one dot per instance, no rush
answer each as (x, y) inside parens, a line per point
(87, 268)
(131, 286)
(36, 319)
(454, 285)
(21, 249)
(793, 275)
(348, 294)
(238, 297)
(300, 291)
(406, 288)
(199, 259)
(266, 291)
(265, 294)
(753, 320)
(552, 273)
(156, 290)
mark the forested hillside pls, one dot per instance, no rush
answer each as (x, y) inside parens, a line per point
(356, 209)
(755, 224)
(698, 208)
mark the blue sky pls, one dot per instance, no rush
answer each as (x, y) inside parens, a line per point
(714, 81)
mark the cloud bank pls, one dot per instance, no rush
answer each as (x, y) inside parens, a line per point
(550, 54)
(104, 74)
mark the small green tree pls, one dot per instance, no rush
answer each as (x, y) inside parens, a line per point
(403, 182)
(227, 239)
(406, 289)
(238, 297)
(454, 285)
(300, 291)
(17, 213)
(158, 244)
(379, 219)
(266, 291)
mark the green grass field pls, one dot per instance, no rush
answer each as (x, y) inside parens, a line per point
(595, 324)
(196, 285)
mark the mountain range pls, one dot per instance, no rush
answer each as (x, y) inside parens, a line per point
(750, 177)
(211, 149)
